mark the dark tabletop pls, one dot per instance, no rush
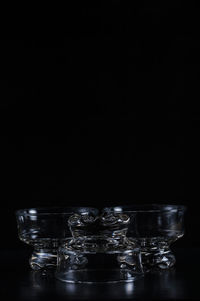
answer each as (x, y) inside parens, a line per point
(20, 283)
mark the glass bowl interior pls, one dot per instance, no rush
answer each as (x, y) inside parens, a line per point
(153, 220)
(46, 227)
(145, 208)
(55, 211)
(146, 221)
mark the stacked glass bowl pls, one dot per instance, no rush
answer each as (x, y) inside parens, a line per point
(84, 244)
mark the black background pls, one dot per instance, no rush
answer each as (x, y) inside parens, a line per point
(99, 106)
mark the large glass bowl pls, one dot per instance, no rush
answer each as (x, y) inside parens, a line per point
(154, 229)
(46, 229)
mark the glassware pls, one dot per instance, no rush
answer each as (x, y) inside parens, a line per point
(99, 250)
(45, 229)
(154, 229)
(115, 244)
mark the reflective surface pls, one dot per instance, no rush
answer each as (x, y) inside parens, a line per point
(20, 283)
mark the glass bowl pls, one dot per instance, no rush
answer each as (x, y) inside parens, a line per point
(154, 229)
(99, 250)
(46, 229)
(86, 266)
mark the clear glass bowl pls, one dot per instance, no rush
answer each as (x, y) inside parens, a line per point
(99, 250)
(46, 229)
(85, 266)
(154, 228)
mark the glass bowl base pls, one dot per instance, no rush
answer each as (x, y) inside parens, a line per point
(98, 276)
(43, 259)
(74, 266)
(159, 259)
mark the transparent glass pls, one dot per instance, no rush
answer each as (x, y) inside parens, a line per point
(99, 250)
(154, 228)
(109, 245)
(45, 229)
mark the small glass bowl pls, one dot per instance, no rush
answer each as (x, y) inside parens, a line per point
(46, 229)
(154, 229)
(99, 250)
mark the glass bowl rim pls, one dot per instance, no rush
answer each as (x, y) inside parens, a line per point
(160, 208)
(40, 211)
